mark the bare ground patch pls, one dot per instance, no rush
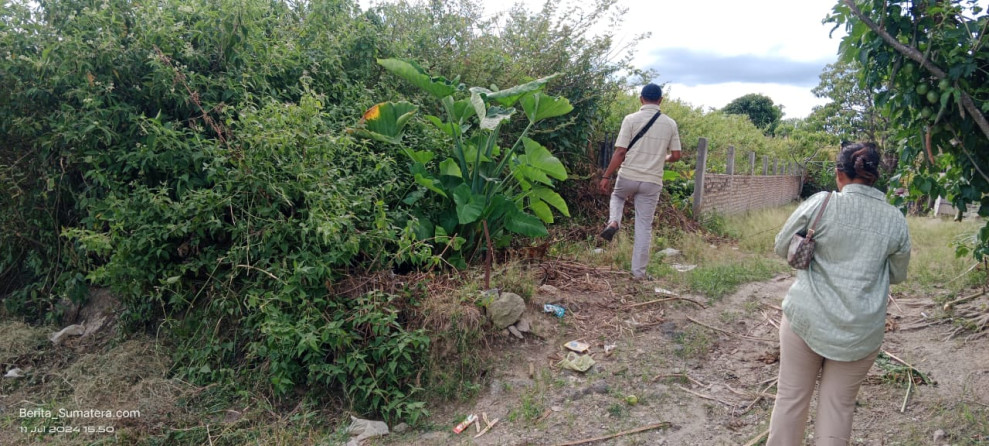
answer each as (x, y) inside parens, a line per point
(707, 375)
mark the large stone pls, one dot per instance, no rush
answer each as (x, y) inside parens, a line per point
(523, 325)
(515, 332)
(505, 310)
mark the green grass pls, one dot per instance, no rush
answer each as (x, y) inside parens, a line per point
(618, 410)
(717, 281)
(756, 231)
(530, 407)
(693, 342)
(966, 423)
(934, 269)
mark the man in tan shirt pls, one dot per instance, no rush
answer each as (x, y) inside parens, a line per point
(640, 171)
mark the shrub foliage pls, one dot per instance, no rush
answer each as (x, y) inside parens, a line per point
(194, 157)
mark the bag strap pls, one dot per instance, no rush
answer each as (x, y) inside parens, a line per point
(810, 232)
(643, 131)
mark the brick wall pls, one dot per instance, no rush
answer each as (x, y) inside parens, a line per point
(735, 194)
(728, 194)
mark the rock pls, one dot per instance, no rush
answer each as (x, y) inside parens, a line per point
(71, 330)
(506, 332)
(939, 436)
(515, 332)
(14, 373)
(523, 325)
(401, 428)
(364, 429)
(505, 310)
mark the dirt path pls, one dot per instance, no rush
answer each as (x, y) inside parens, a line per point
(706, 374)
(702, 373)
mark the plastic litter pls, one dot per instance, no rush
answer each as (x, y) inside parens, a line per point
(464, 424)
(669, 252)
(577, 346)
(555, 309)
(364, 429)
(665, 291)
(683, 268)
(580, 363)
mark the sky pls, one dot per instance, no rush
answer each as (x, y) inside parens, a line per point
(709, 52)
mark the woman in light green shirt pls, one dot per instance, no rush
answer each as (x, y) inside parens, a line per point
(834, 314)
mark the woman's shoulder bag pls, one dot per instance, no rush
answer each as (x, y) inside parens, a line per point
(801, 249)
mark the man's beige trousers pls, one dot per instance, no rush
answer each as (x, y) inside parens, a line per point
(645, 196)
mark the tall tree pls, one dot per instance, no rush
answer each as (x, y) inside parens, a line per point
(929, 63)
(851, 115)
(759, 108)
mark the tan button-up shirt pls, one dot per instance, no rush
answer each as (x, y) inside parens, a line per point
(838, 304)
(646, 159)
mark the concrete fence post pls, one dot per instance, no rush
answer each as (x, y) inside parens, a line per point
(776, 166)
(751, 163)
(699, 177)
(730, 169)
(765, 165)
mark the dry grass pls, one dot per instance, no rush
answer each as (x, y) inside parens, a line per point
(19, 339)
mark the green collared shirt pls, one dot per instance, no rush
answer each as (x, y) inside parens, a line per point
(838, 304)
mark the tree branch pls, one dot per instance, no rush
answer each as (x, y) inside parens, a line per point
(912, 53)
(974, 164)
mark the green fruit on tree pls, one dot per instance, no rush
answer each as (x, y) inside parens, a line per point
(922, 89)
(933, 96)
(944, 84)
(926, 112)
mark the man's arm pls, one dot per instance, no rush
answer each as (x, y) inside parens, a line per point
(616, 161)
(673, 157)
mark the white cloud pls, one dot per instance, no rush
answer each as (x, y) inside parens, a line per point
(797, 101)
(724, 49)
(711, 52)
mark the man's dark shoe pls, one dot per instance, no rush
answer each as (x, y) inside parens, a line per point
(609, 232)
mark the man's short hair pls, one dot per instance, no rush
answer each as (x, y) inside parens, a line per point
(652, 92)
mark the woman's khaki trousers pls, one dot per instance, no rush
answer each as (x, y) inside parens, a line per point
(839, 384)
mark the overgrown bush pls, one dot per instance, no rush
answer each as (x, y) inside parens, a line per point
(197, 165)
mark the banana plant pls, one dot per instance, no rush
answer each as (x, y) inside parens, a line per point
(478, 182)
